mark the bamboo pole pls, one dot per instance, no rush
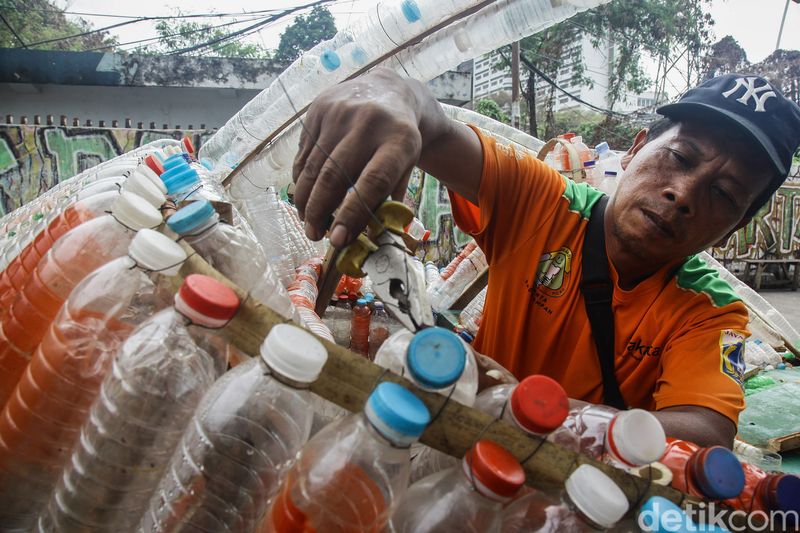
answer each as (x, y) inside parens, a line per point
(347, 380)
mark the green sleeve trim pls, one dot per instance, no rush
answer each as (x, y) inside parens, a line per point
(581, 197)
(695, 275)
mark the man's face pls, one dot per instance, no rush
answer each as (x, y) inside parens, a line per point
(682, 192)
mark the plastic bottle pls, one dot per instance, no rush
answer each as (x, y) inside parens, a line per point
(341, 331)
(589, 170)
(41, 421)
(359, 328)
(379, 328)
(230, 251)
(434, 359)
(621, 438)
(241, 440)
(472, 314)
(77, 253)
(537, 405)
(452, 265)
(159, 375)
(466, 497)
(584, 153)
(712, 473)
(767, 492)
(591, 501)
(431, 273)
(562, 155)
(444, 294)
(351, 475)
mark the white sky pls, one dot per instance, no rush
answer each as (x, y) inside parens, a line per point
(754, 23)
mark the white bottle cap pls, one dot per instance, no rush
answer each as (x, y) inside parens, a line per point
(140, 185)
(148, 173)
(636, 437)
(596, 496)
(294, 353)
(134, 212)
(153, 251)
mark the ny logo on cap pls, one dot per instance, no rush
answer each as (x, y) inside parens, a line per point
(751, 91)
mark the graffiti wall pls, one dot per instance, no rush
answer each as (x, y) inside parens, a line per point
(774, 230)
(34, 158)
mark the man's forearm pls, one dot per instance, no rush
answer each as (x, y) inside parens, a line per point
(697, 424)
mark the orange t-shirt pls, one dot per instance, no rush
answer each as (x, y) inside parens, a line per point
(679, 334)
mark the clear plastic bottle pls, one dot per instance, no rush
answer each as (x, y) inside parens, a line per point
(351, 475)
(472, 314)
(621, 438)
(230, 251)
(537, 405)
(341, 331)
(591, 501)
(452, 265)
(359, 328)
(444, 294)
(77, 253)
(41, 422)
(431, 273)
(379, 328)
(243, 437)
(712, 473)
(466, 497)
(159, 375)
(584, 153)
(434, 359)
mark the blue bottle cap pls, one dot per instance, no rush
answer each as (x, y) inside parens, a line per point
(396, 412)
(410, 10)
(358, 55)
(717, 472)
(206, 163)
(173, 161)
(330, 60)
(786, 493)
(466, 336)
(361, 301)
(436, 358)
(187, 177)
(187, 219)
(602, 147)
(369, 297)
(176, 168)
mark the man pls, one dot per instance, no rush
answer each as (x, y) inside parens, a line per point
(690, 181)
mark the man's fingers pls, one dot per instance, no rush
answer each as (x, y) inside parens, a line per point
(310, 127)
(376, 182)
(335, 176)
(304, 182)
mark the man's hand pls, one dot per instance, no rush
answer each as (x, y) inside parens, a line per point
(360, 142)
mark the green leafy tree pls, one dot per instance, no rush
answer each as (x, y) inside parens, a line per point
(491, 109)
(723, 57)
(39, 21)
(180, 34)
(304, 33)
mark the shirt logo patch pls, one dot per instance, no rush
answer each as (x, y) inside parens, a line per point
(553, 273)
(759, 94)
(731, 343)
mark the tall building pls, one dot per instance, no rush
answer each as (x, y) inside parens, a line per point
(490, 81)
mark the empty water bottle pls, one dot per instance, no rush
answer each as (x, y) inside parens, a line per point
(351, 475)
(590, 501)
(243, 437)
(379, 328)
(232, 252)
(77, 253)
(621, 438)
(40, 423)
(472, 314)
(158, 376)
(434, 359)
(466, 497)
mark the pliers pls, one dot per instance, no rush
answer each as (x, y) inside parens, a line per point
(383, 254)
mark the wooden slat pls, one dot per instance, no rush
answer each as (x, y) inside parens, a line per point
(472, 290)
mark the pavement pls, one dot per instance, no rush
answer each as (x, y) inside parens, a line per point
(787, 302)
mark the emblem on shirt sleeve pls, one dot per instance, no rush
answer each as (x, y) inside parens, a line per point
(552, 275)
(731, 343)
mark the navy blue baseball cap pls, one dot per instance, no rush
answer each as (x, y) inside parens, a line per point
(751, 104)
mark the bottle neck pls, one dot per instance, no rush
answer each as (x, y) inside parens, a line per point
(205, 229)
(572, 506)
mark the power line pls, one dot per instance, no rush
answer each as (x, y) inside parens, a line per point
(10, 27)
(181, 16)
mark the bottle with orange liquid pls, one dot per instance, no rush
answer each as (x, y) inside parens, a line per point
(712, 473)
(765, 491)
(41, 421)
(91, 203)
(76, 254)
(351, 475)
(359, 328)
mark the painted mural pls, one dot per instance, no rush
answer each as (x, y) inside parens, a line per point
(34, 158)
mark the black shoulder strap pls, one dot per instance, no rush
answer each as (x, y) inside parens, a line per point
(598, 289)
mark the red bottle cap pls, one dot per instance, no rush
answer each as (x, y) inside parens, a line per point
(539, 404)
(569, 135)
(209, 297)
(494, 470)
(188, 144)
(155, 164)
